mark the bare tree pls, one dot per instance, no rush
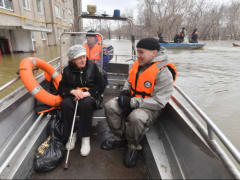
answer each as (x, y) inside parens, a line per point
(213, 20)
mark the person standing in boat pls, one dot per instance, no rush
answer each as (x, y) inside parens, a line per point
(82, 82)
(145, 93)
(194, 37)
(160, 38)
(94, 49)
(179, 37)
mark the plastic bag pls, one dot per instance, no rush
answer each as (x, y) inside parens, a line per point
(49, 155)
(55, 126)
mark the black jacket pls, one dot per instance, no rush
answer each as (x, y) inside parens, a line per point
(74, 77)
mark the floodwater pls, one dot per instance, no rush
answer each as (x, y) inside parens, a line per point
(9, 63)
(210, 76)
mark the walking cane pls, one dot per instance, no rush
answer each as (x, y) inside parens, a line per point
(71, 135)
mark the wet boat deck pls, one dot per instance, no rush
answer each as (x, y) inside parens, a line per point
(99, 164)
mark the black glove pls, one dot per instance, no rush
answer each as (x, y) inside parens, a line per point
(125, 93)
(124, 102)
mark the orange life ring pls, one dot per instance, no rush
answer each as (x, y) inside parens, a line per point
(25, 70)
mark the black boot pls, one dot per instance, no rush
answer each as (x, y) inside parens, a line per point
(111, 143)
(130, 158)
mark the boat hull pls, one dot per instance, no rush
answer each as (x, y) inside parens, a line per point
(182, 45)
(236, 45)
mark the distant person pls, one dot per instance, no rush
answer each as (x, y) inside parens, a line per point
(194, 37)
(82, 82)
(145, 93)
(160, 38)
(94, 49)
(179, 37)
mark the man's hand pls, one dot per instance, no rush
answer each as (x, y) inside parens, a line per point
(124, 102)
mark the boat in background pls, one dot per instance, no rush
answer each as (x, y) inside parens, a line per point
(235, 45)
(172, 45)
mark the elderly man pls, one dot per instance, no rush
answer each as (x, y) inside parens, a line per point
(145, 94)
(82, 82)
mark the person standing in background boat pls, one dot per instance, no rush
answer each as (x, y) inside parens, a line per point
(179, 37)
(81, 81)
(194, 37)
(145, 93)
(160, 38)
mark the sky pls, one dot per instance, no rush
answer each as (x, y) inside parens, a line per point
(109, 6)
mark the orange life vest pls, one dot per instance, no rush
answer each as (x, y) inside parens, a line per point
(143, 86)
(95, 52)
(181, 34)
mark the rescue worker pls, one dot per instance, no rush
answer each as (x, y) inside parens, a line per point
(81, 81)
(94, 49)
(179, 37)
(145, 93)
(160, 38)
(194, 38)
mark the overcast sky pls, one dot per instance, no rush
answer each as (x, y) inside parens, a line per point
(110, 5)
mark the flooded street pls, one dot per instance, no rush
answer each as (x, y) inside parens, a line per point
(210, 76)
(9, 63)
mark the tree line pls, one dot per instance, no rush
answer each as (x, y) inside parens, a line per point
(214, 20)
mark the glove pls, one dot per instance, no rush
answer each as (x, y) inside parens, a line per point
(124, 102)
(125, 93)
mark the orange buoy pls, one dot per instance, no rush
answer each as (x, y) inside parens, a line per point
(26, 74)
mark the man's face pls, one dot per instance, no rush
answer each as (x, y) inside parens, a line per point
(145, 56)
(80, 61)
(91, 39)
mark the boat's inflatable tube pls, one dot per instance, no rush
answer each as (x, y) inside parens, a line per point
(26, 74)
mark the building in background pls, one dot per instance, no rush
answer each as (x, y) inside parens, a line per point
(26, 25)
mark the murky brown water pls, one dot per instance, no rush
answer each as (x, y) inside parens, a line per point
(210, 76)
(9, 63)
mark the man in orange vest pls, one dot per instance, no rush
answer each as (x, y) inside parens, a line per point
(194, 38)
(145, 93)
(94, 49)
(179, 37)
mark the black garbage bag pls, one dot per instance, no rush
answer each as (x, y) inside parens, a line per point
(55, 126)
(49, 154)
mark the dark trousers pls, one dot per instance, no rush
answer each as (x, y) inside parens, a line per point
(85, 110)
